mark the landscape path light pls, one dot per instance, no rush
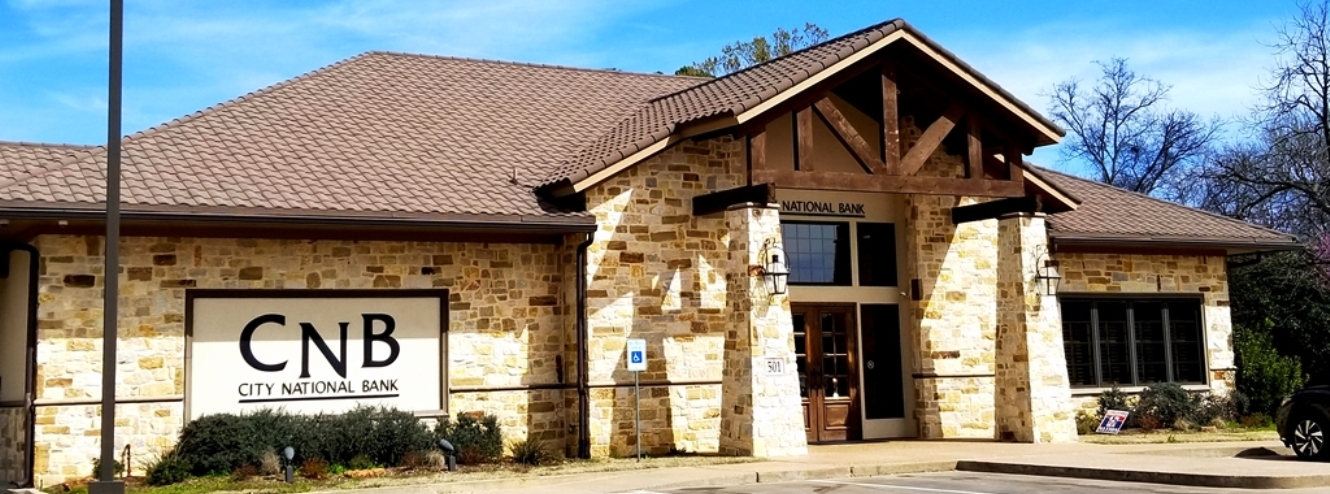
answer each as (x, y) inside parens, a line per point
(449, 454)
(290, 454)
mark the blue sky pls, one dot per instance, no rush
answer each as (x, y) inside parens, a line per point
(183, 56)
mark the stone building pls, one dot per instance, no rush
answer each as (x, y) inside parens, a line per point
(488, 236)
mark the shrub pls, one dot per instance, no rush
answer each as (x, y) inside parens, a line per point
(361, 462)
(1085, 423)
(314, 469)
(477, 440)
(412, 460)
(1148, 423)
(1213, 409)
(1264, 376)
(245, 472)
(169, 469)
(118, 468)
(270, 464)
(222, 443)
(1257, 421)
(531, 452)
(435, 461)
(1166, 402)
(1113, 399)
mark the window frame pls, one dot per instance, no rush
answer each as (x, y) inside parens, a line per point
(1129, 299)
(849, 249)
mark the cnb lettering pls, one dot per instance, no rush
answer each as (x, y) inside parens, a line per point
(309, 334)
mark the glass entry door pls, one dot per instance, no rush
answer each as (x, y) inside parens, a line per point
(824, 346)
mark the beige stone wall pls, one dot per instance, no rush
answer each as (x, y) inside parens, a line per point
(756, 416)
(1142, 274)
(69, 437)
(657, 272)
(505, 328)
(13, 445)
(955, 323)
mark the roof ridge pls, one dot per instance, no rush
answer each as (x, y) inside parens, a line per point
(898, 20)
(45, 144)
(1170, 203)
(536, 65)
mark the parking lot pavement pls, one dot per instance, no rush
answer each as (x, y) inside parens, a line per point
(963, 483)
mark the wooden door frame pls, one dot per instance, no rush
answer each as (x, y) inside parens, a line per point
(854, 424)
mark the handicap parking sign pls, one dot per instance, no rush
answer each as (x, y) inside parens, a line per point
(637, 355)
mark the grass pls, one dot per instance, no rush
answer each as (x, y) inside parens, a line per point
(464, 473)
(1170, 436)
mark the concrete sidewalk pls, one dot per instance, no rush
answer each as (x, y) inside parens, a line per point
(1198, 464)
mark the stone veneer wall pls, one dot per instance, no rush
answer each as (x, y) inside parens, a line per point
(13, 445)
(657, 272)
(1139, 274)
(506, 326)
(956, 317)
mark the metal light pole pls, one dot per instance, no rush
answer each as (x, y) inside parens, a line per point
(105, 483)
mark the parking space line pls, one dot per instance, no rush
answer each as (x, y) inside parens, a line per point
(901, 487)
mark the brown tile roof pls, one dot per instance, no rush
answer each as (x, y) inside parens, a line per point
(22, 158)
(735, 93)
(377, 134)
(1110, 213)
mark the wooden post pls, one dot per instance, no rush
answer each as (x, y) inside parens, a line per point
(1013, 158)
(804, 133)
(891, 131)
(974, 164)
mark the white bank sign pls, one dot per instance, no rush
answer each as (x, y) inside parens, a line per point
(310, 351)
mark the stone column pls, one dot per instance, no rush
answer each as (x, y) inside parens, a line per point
(761, 413)
(1033, 401)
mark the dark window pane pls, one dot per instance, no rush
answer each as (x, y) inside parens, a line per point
(1114, 346)
(819, 253)
(801, 352)
(1151, 346)
(877, 254)
(884, 390)
(1184, 324)
(1078, 342)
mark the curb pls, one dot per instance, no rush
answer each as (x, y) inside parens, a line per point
(1170, 478)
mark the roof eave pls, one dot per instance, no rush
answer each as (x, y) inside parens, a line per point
(1230, 245)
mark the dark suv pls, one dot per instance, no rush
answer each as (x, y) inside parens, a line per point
(1304, 422)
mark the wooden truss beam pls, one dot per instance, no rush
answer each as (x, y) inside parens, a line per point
(841, 181)
(716, 202)
(931, 138)
(1013, 159)
(804, 135)
(974, 162)
(891, 130)
(848, 136)
(994, 209)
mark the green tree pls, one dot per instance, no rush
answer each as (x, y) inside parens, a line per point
(741, 54)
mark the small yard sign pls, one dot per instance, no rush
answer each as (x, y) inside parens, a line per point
(1113, 422)
(637, 355)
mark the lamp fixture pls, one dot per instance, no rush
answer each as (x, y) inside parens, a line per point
(1047, 275)
(290, 454)
(775, 271)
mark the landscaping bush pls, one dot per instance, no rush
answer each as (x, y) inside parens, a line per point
(364, 437)
(1166, 402)
(244, 473)
(1086, 423)
(169, 469)
(531, 452)
(478, 440)
(314, 469)
(118, 468)
(1113, 399)
(1264, 376)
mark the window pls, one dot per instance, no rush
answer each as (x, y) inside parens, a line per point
(1132, 342)
(819, 252)
(877, 254)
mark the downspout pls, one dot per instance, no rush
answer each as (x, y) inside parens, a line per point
(583, 386)
(29, 396)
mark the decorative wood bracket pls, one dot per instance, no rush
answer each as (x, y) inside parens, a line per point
(716, 202)
(994, 209)
(849, 136)
(931, 138)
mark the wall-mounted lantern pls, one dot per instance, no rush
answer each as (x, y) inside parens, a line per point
(1047, 275)
(775, 272)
